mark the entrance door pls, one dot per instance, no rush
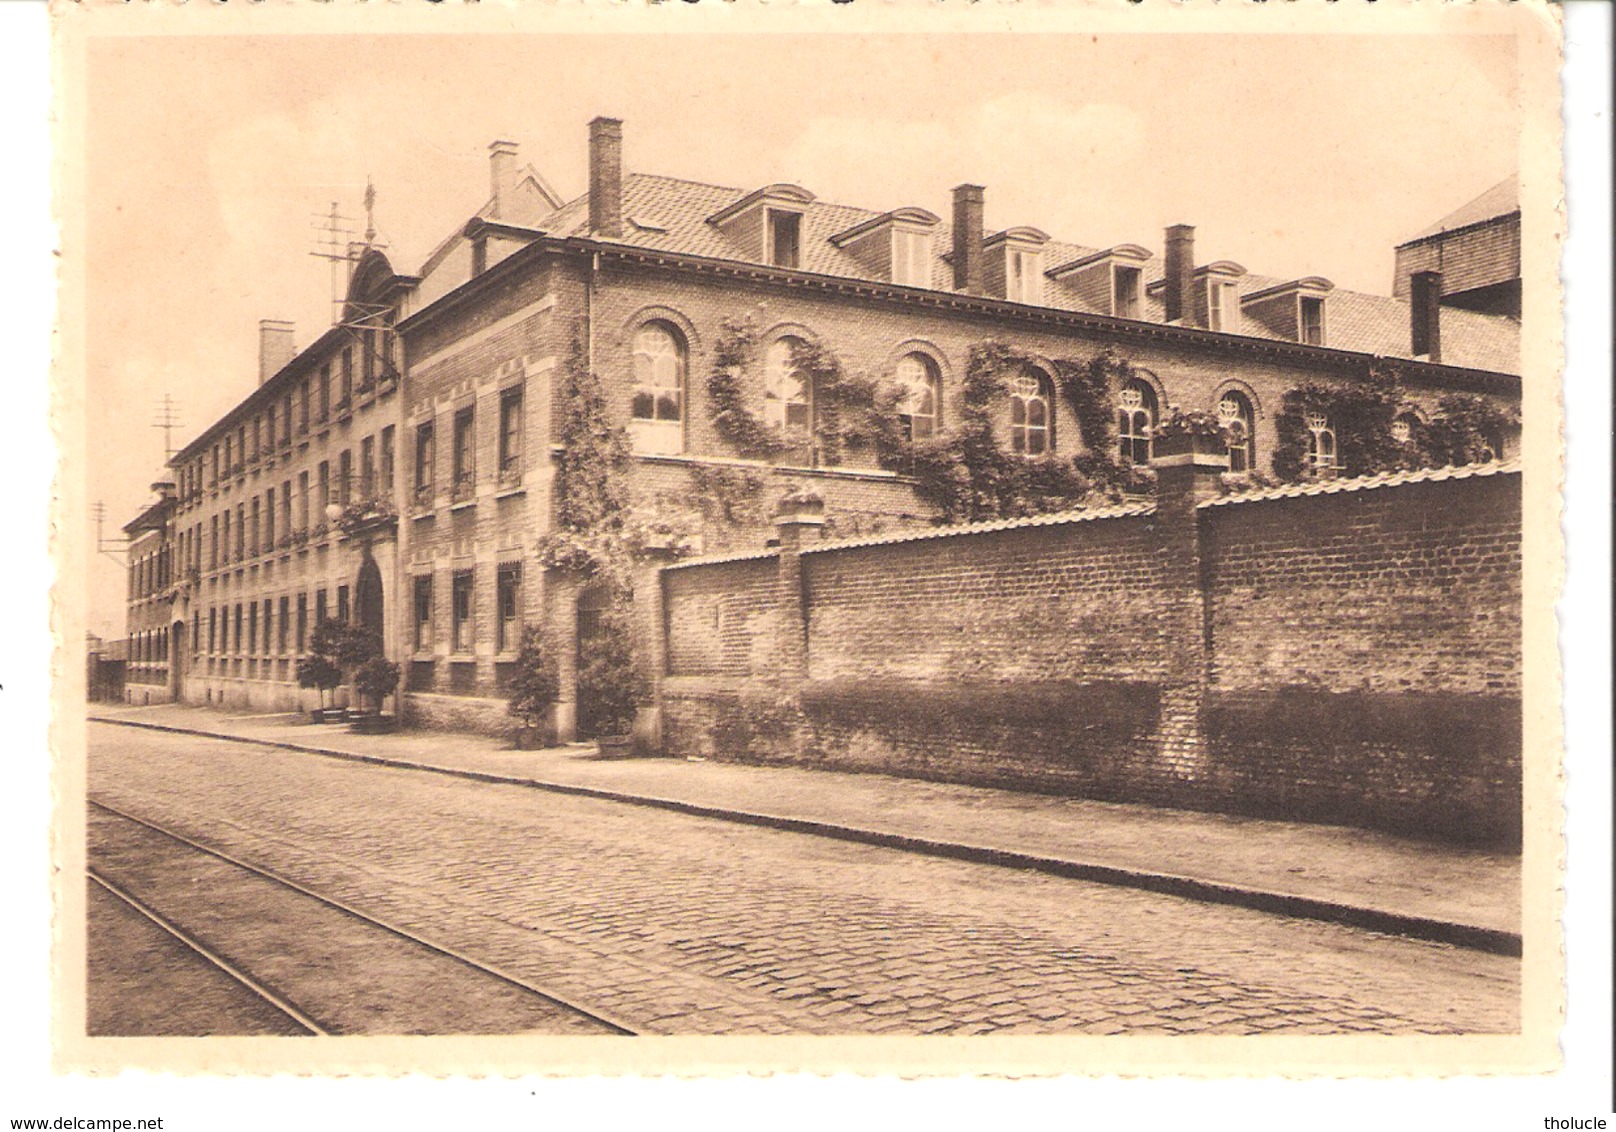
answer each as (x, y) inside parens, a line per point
(176, 660)
(368, 596)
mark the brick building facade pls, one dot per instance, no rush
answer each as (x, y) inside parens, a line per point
(459, 393)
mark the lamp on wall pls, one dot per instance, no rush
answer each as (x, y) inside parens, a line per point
(333, 511)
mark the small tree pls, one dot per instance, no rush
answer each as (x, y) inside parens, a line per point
(534, 684)
(318, 671)
(376, 679)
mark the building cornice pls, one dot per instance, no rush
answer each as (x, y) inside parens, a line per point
(1119, 329)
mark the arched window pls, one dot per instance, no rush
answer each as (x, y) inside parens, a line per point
(1321, 452)
(659, 389)
(1136, 418)
(786, 403)
(922, 388)
(1237, 418)
(1031, 398)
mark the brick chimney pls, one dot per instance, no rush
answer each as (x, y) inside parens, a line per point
(1425, 315)
(275, 347)
(606, 177)
(968, 257)
(502, 178)
(1180, 274)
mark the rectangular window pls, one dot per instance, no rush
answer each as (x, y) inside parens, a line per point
(1222, 305)
(213, 542)
(304, 394)
(345, 477)
(510, 431)
(319, 606)
(224, 555)
(367, 468)
(286, 509)
(423, 613)
(346, 388)
(302, 621)
(257, 438)
(235, 637)
(227, 468)
(367, 360)
(269, 425)
(241, 447)
(785, 231)
(252, 627)
(424, 459)
(325, 392)
(385, 473)
(269, 519)
(322, 498)
(269, 612)
(508, 628)
(1312, 321)
(342, 604)
(286, 419)
(303, 502)
(213, 629)
(283, 624)
(911, 258)
(465, 468)
(1126, 280)
(1024, 275)
(460, 624)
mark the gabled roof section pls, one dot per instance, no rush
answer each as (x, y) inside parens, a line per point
(1128, 253)
(1020, 235)
(1503, 199)
(911, 216)
(780, 191)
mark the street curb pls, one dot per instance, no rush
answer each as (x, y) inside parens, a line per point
(1471, 936)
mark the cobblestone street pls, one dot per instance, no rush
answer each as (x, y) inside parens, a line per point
(683, 925)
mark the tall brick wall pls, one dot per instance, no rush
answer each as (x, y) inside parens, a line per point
(1348, 656)
(1365, 660)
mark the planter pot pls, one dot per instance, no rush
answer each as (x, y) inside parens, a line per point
(374, 723)
(530, 738)
(614, 746)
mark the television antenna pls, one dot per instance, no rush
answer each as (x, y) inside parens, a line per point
(168, 420)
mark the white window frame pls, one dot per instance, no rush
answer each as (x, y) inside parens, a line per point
(658, 434)
(777, 408)
(911, 257)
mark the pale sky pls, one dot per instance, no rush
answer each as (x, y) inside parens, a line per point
(208, 157)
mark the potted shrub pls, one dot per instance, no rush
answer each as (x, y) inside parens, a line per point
(320, 671)
(534, 687)
(375, 680)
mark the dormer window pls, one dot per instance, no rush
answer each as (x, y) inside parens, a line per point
(785, 238)
(895, 246)
(1294, 310)
(1024, 276)
(1110, 282)
(1312, 320)
(1127, 285)
(1015, 265)
(911, 258)
(1222, 305)
(766, 225)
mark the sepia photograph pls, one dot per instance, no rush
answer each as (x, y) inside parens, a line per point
(1039, 531)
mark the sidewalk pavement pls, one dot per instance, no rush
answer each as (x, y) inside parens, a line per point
(1373, 880)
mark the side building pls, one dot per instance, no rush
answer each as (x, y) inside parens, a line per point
(405, 469)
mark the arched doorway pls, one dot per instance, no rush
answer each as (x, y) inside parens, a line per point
(176, 660)
(368, 608)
